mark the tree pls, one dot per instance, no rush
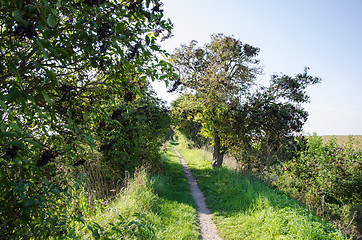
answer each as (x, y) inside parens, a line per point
(218, 75)
(220, 79)
(64, 67)
(269, 119)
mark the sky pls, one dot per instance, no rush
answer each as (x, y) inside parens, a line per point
(324, 35)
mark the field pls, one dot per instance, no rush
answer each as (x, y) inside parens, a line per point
(343, 139)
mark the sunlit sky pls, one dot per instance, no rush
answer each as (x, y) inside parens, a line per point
(325, 35)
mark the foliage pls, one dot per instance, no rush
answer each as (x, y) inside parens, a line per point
(268, 121)
(328, 178)
(242, 118)
(218, 75)
(121, 229)
(182, 110)
(258, 211)
(135, 134)
(64, 66)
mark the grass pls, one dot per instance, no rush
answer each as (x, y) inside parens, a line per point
(157, 207)
(245, 208)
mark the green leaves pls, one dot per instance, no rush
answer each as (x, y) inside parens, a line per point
(66, 66)
(18, 15)
(3, 105)
(31, 141)
(46, 97)
(15, 127)
(9, 134)
(59, 3)
(51, 21)
(17, 144)
(221, 75)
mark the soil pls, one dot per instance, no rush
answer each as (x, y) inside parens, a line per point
(207, 226)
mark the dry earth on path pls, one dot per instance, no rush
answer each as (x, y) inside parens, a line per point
(207, 226)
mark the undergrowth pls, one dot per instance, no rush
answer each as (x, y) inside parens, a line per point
(149, 207)
(327, 178)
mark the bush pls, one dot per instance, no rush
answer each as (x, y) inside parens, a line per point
(135, 135)
(327, 177)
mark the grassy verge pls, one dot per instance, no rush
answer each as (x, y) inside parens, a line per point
(247, 209)
(158, 207)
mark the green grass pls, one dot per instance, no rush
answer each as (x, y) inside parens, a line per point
(162, 205)
(245, 208)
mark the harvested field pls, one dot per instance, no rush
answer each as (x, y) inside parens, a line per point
(343, 139)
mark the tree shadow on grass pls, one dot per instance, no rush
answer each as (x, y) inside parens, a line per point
(172, 184)
(229, 193)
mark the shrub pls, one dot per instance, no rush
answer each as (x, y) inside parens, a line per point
(327, 177)
(135, 135)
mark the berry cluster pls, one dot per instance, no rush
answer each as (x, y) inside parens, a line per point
(26, 30)
(104, 31)
(67, 92)
(157, 8)
(12, 151)
(45, 157)
(92, 3)
(133, 52)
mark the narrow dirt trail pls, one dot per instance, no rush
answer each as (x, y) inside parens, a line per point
(207, 226)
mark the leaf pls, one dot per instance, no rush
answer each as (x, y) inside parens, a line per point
(59, 3)
(54, 11)
(15, 127)
(31, 141)
(3, 105)
(155, 47)
(51, 21)
(46, 97)
(9, 134)
(17, 144)
(37, 65)
(94, 63)
(18, 15)
(13, 93)
(51, 75)
(147, 40)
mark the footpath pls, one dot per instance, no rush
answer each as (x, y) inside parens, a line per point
(207, 226)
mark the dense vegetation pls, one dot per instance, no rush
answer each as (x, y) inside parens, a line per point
(75, 106)
(327, 177)
(261, 126)
(78, 118)
(149, 207)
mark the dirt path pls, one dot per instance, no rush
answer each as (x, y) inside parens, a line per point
(207, 226)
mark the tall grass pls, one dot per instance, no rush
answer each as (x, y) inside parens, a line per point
(149, 207)
(245, 208)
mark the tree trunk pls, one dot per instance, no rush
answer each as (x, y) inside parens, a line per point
(218, 157)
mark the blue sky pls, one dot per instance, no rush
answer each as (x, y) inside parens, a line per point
(325, 35)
